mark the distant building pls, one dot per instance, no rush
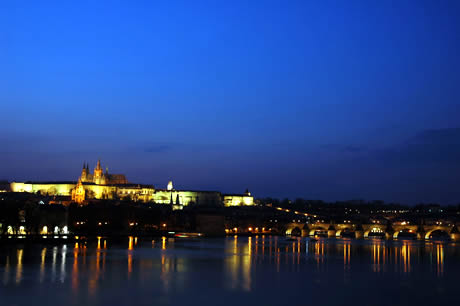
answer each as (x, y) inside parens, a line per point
(103, 185)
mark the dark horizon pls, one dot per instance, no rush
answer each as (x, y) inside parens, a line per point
(328, 101)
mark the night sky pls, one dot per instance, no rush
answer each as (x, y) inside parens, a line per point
(331, 100)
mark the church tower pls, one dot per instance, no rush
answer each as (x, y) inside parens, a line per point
(84, 173)
(98, 173)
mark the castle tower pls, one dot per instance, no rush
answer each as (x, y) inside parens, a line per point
(84, 173)
(98, 173)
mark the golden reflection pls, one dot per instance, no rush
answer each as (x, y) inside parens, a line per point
(440, 259)
(232, 264)
(238, 264)
(163, 243)
(346, 254)
(98, 242)
(384, 253)
(130, 264)
(42, 265)
(130, 243)
(19, 266)
(94, 277)
(319, 252)
(165, 269)
(373, 254)
(405, 257)
(376, 249)
(75, 268)
(249, 246)
(246, 266)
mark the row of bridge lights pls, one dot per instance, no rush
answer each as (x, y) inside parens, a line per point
(250, 229)
(296, 212)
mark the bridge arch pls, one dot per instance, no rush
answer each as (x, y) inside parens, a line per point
(296, 229)
(438, 229)
(405, 230)
(339, 232)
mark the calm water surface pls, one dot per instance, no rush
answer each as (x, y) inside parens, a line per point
(260, 270)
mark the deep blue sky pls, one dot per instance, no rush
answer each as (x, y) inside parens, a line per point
(329, 100)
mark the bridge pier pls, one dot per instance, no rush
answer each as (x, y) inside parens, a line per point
(454, 233)
(359, 234)
(389, 235)
(331, 232)
(305, 232)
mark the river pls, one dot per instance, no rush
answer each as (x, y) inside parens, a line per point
(235, 270)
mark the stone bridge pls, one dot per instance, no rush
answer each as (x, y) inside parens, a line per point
(364, 230)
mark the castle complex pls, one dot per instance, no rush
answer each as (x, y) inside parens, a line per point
(98, 177)
(103, 185)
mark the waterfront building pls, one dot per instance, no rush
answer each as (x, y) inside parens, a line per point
(104, 185)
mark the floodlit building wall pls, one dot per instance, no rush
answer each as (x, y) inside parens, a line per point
(137, 193)
(51, 189)
(238, 200)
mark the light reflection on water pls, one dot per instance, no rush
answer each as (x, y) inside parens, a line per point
(165, 268)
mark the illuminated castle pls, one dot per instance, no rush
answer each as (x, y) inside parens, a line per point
(100, 178)
(102, 185)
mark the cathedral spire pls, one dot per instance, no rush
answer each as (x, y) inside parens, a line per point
(98, 167)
